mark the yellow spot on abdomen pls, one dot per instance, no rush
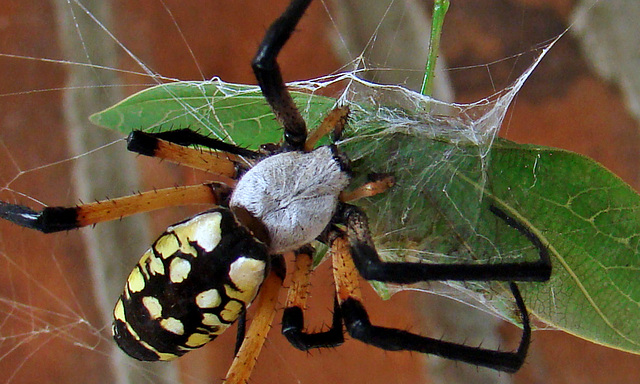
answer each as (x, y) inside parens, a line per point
(247, 275)
(208, 299)
(173, 325)
(135, 282)
(179, 269)
(211, 320)
(231, 311)
(118, 311)
(198, 340)
(153, 306)
(167, 245)
(203, 229)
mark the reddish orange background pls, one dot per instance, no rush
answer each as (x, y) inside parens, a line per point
(564, 104)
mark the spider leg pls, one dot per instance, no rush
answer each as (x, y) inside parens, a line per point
(269, 77)
(242, 330)
(172, 146)
(186, 137)
(371, 267)
(55, 219)
(379, 182)
(359, 326)
(335, 122)
(293, 316)
(265, 305)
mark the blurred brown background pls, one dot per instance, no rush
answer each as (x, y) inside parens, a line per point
(50, 327)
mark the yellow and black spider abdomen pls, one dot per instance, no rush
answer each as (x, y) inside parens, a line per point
(189, 287)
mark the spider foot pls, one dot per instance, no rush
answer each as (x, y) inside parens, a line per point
(50, 219)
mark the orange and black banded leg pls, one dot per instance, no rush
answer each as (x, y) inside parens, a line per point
(293, 317)
(139, 141)
(225, 161)
(265, 309)
(359, 326)
(56, 219)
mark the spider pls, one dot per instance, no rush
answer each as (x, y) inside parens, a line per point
(201, 275)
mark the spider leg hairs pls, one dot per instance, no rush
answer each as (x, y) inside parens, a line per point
(201, 274)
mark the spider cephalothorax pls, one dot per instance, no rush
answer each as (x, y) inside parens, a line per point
(201, 274)
(293, 195)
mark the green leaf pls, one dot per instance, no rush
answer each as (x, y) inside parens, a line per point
(587, 216)
(215, 107)
(439, 209)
